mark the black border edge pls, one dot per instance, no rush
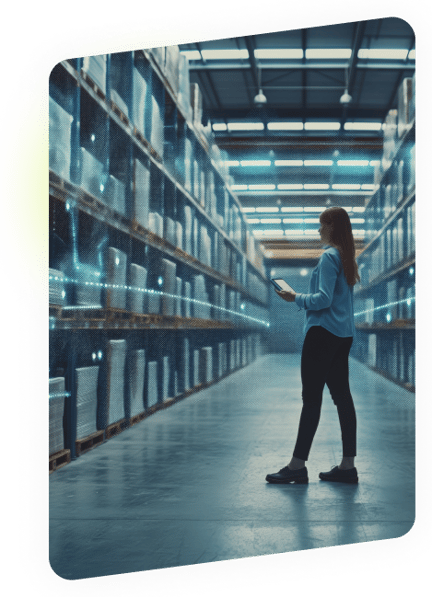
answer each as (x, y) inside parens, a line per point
(33, 345)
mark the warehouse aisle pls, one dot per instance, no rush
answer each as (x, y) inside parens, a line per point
(187, 485)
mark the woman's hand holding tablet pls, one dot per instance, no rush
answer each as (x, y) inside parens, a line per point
(284, 290)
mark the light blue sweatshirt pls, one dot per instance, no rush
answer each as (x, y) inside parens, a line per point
(330, 302)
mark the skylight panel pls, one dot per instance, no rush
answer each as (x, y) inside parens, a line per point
(316, 187)
(245, 126)
(267, 209)
(314, 208)
(278, 53)
(290, 187)
(288, 162)
(328, 53)
(322, 126)
(239, 187)
(346, 187)
(253, 221)
(292, 209)
(192, 54)
(411, 55)
(318, 162)
(353, 162)
(248, 210)
(255, 162)
(270, 220)
(383, 54)
(219, 126)
(262, 187)
(285, 126)
(230, 163)
(225, 54)
(362, 126)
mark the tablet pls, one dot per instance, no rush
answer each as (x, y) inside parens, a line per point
(280, 284)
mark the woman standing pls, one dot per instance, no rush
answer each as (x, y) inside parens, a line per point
(329, 329)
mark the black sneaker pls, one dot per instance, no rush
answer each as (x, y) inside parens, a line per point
(286, 475)
(340, 475)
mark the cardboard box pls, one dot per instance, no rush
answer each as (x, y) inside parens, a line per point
(60, 128)
(136, 381)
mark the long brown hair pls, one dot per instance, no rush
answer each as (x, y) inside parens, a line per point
(341, 237)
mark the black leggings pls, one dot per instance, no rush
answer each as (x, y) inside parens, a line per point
(324, 360)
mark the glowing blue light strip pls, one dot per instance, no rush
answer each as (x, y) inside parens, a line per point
(151, 291)
(60, 395)
(407, 301)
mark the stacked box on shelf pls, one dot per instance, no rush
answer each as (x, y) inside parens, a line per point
(141, 191)
(232, 355)
(93, 176)
(172, 66)
(136, 381)
(86, 380)
(116, 380)
(159, 56)
(184, 87)
(88, 289)
(60, 129)
(185, 365)
(392, 298)
(116, 276)
(119, 83)
(372, 350)
(411, 106)
(196, 103)
(114, 194)
(152, 395)
(188, 225)
(170, 230)
(179, 235)
(187, 305)
(222, 358)
(204, 254)
(157, 129)
(168, 274)
(200, 310)
(178, 307)
(138, 282)
(140, 101)
(57, 292)
(56, 412)
(206, 364)
(390, 136)
(404, 106)
(188, 165)
(166, 372)
(155, 223)
(195, 362)
(96, 68)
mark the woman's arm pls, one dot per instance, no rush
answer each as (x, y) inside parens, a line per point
(328, 271)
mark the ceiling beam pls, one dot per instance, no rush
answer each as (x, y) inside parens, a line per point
(309, 65)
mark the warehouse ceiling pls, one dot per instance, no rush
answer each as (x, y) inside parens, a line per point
(302, 141)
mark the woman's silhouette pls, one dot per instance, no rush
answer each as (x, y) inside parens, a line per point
(329, 333)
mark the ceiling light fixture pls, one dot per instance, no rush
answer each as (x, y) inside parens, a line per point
(260, 99)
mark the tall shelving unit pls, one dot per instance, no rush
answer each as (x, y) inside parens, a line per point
(157, 288)
(385, 298)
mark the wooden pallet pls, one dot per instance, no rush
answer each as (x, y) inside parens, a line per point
(88, 443)
(119, 113)
(86, 77)
(137, 418)
(115, 428)
(59, 459)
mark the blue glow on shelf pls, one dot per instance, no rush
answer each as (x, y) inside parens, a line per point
(407, 301)
(159, 292)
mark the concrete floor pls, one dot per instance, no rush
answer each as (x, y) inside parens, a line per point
(187, 485)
